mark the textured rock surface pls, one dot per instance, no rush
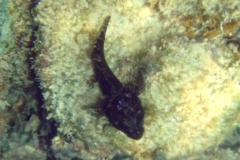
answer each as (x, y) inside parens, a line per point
(18, 139)
(188, 50)
(192, 77)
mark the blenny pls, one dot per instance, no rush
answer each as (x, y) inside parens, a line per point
(122, 106)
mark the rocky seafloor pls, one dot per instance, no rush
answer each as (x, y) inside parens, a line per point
(188, 52)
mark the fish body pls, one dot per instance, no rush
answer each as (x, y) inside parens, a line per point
(122, 106)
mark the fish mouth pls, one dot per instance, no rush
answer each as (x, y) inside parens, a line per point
(136, 133)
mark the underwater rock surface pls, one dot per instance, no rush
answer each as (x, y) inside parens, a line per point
(18, 100)
(189, 54)
(191, 95)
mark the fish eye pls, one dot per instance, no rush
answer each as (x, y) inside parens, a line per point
(128, 95)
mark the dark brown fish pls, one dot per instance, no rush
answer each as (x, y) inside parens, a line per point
(122, 106)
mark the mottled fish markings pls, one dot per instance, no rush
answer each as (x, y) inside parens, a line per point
(122, 106)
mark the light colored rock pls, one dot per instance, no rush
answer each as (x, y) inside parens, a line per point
(191, 95)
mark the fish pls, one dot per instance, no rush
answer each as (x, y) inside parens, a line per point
(121, 106)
